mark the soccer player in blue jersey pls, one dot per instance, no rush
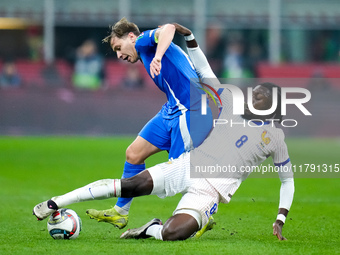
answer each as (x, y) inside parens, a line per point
(179, 126)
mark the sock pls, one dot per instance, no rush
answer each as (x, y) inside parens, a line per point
(155, 231)
(52, 205)
(121, 210)
(129, 171)
(101, 189)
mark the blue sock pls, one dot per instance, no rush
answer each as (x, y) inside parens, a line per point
(129, 171)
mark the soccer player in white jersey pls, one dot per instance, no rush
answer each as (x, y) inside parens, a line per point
(239, 147)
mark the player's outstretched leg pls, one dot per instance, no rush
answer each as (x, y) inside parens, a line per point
(101, 189)
(139, 185)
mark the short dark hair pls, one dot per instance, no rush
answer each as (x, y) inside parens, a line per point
(121, 29)
(277, 113)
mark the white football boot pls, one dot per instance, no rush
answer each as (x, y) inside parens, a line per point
(140, 233)
(44, 209)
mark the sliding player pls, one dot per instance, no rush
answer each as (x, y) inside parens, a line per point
(239, 147)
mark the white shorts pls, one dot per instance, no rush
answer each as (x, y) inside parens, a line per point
(200, 199)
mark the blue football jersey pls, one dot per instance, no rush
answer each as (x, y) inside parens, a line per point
(174, 77)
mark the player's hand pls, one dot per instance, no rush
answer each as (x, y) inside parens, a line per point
(277, 230)
(155, 67)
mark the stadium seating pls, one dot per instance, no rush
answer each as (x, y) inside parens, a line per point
(115, 72)
(31, 73)
(305, 70)
(330, 73)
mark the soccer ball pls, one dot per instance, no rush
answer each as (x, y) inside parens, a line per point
(64, 224)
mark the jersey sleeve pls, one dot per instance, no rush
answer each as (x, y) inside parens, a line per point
(205, 72)
(286, 193)
(282, 162)
(281, 158)
(146, 40)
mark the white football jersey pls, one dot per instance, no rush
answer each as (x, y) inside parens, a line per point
(234, 146)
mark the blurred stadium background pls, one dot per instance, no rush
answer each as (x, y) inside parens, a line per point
(242, 39)
(290, 42)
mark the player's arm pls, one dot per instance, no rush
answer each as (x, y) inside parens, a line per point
(196, 55)
(282, 161)
(164, 36)
(286, 200)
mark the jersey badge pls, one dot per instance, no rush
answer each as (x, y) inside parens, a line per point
(140, 36)
(265, 139)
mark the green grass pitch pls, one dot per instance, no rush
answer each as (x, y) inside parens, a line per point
(34, 169)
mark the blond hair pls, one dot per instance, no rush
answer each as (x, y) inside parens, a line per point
(121, 29)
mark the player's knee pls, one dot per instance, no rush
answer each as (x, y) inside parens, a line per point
(132, 156)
